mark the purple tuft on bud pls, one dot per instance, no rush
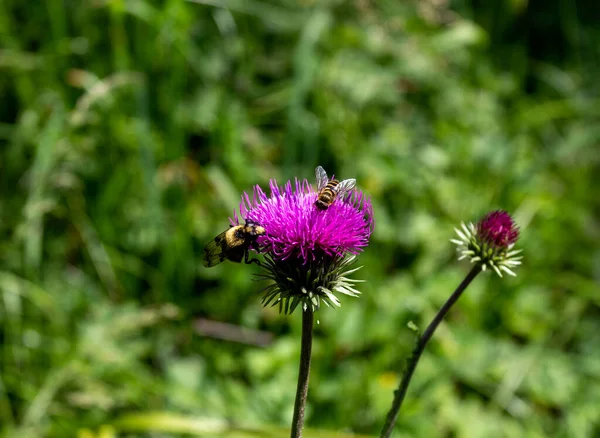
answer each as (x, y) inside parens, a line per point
(498, 229)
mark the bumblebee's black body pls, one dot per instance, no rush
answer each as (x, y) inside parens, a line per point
(233, 245)
(329, 190)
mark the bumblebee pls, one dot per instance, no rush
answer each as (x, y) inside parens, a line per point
(329, 190)
(233, 244)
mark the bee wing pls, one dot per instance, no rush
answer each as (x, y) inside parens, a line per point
(215, 251)
(321, 177)
(345, 186)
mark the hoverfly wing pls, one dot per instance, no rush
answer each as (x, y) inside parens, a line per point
(345, 186)
(215, 251)
(321, 176)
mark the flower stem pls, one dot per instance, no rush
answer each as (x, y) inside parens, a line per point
(400, 393)
(303, 372)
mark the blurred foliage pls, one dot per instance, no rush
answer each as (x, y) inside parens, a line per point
(129, 129)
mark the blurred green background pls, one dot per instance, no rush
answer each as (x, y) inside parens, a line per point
(129, 129)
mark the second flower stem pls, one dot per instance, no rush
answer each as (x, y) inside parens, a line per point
(303, 373)
(400, 393)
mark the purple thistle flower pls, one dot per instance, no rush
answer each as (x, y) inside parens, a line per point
(296, 229)
(490, 243)
(307, 250)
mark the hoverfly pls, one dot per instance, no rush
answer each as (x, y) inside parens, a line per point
(329, 190)
(233, 244)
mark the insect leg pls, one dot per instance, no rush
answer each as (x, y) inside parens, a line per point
(247, 260)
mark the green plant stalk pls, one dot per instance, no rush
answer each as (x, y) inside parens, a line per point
(400, 393)
(303, 373)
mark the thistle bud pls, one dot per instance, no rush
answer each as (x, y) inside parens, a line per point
(490, 243)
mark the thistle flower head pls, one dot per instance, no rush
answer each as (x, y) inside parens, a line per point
(308, 251)
(490, 242)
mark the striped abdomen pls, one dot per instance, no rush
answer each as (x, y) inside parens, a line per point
(327, 195)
